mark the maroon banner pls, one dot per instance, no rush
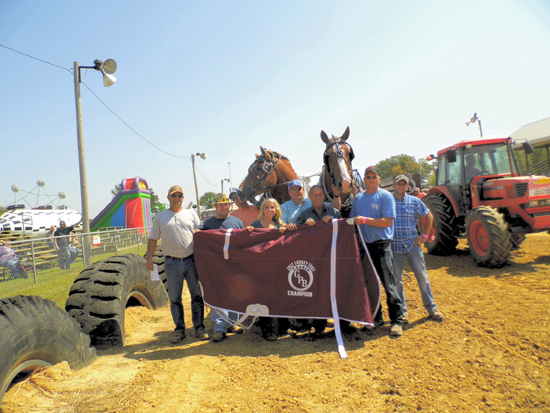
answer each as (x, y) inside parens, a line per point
(289, 273)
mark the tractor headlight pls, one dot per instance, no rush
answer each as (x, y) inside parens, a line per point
(534, 204)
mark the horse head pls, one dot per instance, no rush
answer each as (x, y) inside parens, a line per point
(337, 159)
(260, 178)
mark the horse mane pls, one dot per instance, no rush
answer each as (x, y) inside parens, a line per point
(276, 154)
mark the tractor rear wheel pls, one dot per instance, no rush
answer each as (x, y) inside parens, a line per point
(442, 238)
(488, 237)
(517, 239)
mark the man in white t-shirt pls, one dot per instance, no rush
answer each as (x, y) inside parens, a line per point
(175, 227)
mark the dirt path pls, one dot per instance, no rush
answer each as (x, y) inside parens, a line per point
(492, 353)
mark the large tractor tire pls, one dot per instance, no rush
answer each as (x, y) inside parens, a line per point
(517, 240)
(488, 237)
(158, 259)
(442, 238)
(36, 333)
(101, 293)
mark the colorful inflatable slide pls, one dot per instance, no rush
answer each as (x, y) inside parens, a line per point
(130, 208)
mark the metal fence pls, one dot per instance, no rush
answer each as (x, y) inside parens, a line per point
(30, 258)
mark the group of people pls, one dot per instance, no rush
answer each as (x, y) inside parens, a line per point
(387, 224)
(66, 245)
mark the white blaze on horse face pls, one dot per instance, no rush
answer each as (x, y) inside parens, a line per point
(344, 173)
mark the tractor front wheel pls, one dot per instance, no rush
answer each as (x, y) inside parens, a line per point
(488, 237)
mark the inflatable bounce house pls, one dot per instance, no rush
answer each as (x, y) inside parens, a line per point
(130, 208)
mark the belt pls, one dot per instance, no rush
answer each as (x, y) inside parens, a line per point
(182, 259)
(379, 241)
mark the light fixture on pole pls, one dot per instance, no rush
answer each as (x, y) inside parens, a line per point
(107, 68)
(227, 180)
(475, 119)
(230, 180)
(203, 157)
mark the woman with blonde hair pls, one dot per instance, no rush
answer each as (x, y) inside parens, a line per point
(270, 218)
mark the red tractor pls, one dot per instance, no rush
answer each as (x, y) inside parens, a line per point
(479, 192)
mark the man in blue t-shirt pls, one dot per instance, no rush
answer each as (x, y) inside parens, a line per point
(374, 213)
(222, 220)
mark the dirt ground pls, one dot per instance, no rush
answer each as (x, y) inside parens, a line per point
(491, 353)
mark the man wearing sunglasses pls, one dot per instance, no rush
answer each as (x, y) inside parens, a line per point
(175, 227)
(374, 213)
(222, 220)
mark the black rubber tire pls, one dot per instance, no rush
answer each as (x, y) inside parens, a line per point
(100, 294)
(37, 333)
(517, 240)
(445, 241)
(499, 243)
(158, 259)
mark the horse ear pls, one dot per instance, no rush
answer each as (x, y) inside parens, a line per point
(257, 156)
(262, 150)
(345, 136)
(324, 136)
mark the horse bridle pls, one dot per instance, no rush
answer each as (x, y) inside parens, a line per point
(339, 154)
(268, 167)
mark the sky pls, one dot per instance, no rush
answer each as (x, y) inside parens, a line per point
(226, 77)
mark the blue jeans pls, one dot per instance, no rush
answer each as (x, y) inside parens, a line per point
(219, 323)
(381, 256)
(64, 257)
(12, 266)
(176, 272)
(74, 254)
(415, 257)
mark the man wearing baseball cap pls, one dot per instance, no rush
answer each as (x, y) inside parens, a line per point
(291, 209)
(374, 213)
(222, 220)
(406, 244)
(175, 227)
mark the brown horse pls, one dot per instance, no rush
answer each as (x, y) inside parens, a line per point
(270, 172)
(338, 175)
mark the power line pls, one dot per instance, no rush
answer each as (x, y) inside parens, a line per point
(97, 97)
(132, 129)
(35, 58)
(204, 177)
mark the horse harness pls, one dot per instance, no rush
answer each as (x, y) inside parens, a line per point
(268, 166)
(339, 154)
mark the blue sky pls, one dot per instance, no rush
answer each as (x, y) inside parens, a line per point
(224, 77)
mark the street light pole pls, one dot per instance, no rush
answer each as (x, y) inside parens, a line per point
(196, 187)
(222, 183)
(203, 157)
(82, 166)
(230, 180)
(107, 68)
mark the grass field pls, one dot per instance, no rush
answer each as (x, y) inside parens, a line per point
(53, 284)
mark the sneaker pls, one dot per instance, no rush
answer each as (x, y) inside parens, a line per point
(396, 330)
(218, 336)
(177, 336)
(436, 315)
(202, 335)
(405, 319)
(235, 330)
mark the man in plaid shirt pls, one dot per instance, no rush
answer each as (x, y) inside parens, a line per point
(406, 244)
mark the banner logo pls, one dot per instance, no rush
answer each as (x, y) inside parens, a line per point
(300, 277)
